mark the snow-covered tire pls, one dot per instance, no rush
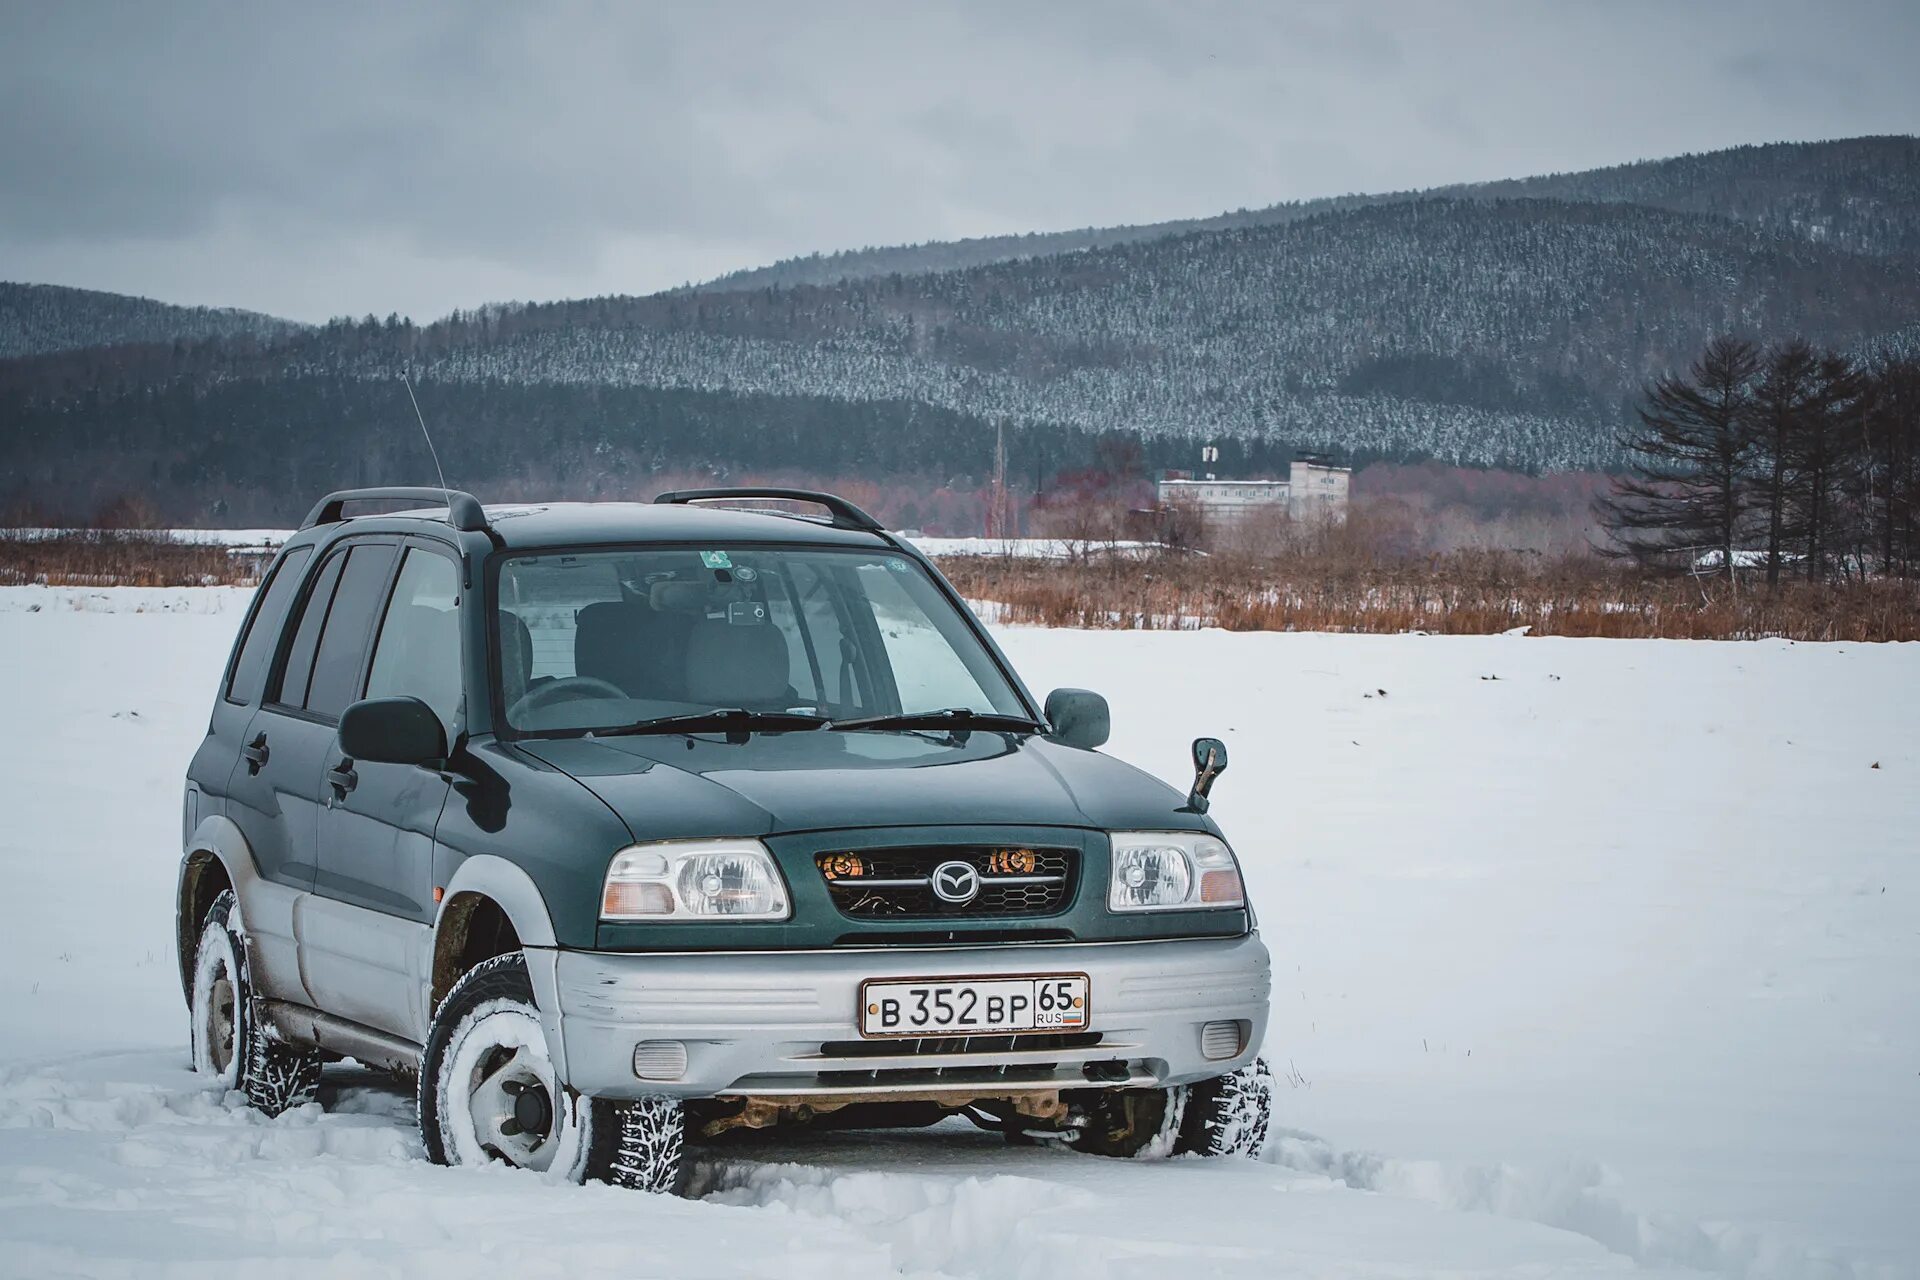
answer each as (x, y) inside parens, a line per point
(649, 1154)
(227, 1043)
(1129, 1123)
(489, 1092)
(1228, 1115)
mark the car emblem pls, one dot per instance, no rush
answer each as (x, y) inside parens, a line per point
(956, 882)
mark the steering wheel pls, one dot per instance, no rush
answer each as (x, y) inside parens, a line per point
(566, 687)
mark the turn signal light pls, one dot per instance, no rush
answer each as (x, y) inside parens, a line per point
(1222, 886)
(627, 898)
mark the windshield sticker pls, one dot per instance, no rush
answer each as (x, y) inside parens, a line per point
(716, 560)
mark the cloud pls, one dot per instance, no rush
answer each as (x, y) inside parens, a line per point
(352, 157)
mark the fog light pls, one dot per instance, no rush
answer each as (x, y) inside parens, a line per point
(1221, 1040)
(660, 1060)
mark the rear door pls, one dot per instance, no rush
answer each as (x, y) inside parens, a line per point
(375, 887)
(276, 794)
(234, 774)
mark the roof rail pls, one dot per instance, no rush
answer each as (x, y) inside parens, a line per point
(844, 514)
(463, 509)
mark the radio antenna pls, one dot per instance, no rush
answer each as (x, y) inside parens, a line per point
(432, 452)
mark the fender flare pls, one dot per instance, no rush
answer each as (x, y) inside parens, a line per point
(514, 891)
(508, 885)
(221, 838)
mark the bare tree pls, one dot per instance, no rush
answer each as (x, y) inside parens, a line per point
(1688, 488)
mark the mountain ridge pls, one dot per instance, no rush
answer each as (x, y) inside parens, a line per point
(1504, 331)
(41, 319)
(850, 264)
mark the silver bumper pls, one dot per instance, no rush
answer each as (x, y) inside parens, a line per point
(780, 1024)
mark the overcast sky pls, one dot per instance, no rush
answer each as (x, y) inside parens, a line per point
(330, 158)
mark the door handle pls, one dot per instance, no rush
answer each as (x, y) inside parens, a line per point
(343, 778)
(256, 754)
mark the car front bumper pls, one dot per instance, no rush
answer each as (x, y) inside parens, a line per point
(781, 1024)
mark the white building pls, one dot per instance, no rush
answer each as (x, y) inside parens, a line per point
(1312, 488)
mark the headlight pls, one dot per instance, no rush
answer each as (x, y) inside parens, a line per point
(694, 880)
(1172, 870)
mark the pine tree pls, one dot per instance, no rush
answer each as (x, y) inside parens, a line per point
(1688, 488)
(1889, 479)
(1824, 449)
(1782, 400)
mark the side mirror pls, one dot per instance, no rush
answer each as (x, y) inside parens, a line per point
(1209, 762)
(393, 731)
(1079, 717)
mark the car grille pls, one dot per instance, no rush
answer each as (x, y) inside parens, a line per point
(898, 884)
(935, 1046)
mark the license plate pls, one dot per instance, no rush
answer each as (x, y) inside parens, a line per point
(973, 1006)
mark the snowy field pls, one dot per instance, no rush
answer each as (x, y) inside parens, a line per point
(1592, 958)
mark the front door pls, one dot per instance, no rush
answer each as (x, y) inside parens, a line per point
(377, 822)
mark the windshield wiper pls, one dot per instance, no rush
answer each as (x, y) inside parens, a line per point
(729, 720)
(960, 718)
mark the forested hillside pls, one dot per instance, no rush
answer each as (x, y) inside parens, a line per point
(1859, 193)
(39, 318)
(1485, 332)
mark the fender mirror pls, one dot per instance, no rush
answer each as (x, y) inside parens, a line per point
(1209, 762)
(393, 731)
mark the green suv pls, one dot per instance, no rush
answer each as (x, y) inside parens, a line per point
(620, 826)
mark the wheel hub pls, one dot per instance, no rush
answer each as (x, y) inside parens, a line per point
(221, 1020)
(510, 1103)
(533, 1111)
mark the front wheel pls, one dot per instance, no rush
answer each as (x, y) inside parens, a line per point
(489, 1093)
(1225, 1116)
(1128, 1123)
(1228, 1115)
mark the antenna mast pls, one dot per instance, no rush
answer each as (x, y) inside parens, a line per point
(432, 452)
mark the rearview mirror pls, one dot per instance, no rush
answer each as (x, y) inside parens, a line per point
(393, 731)
(1079, 717)
(1209, 762)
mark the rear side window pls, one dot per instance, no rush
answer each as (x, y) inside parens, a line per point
(343, 644)
(306, 637)
(330, 644)
(264, 627)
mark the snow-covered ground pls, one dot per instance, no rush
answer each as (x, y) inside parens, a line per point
(1593, 958)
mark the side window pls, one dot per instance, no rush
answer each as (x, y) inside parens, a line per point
(418, 652)
(264, 627)
(342, 654)
(295, 676)
(927, 667)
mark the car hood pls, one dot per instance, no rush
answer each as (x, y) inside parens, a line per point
(668, 787)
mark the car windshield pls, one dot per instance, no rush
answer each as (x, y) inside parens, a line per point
(604, 640)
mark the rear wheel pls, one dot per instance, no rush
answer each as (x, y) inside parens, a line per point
(228, 1045)
(489, 1093)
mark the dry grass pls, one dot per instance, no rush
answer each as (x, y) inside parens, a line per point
(1461, 594)
(121, 558)
(1313, 587)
